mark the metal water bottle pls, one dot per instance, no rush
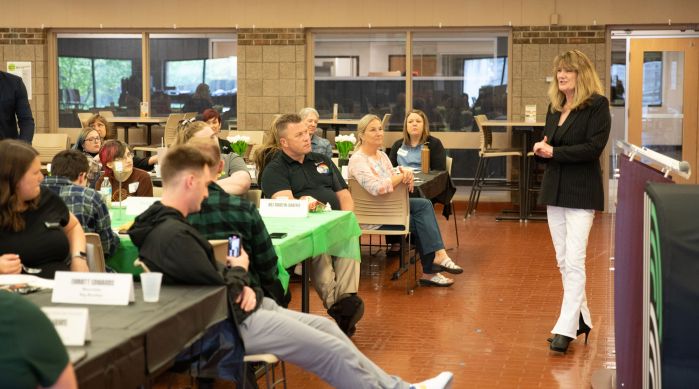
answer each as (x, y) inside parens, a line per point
(425, 158)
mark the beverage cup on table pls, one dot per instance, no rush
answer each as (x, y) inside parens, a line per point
(150, 284)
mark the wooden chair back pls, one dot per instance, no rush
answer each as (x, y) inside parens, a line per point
(48, 145)
(95, 253)
(388, 209)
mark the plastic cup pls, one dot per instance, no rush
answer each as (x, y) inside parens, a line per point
(150, 284)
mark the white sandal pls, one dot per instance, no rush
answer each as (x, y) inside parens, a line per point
(450, 267)
(437, 280)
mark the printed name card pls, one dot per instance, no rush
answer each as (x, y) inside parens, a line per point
(72, 324)
(530, 113)
(283, 208)
(92, 288)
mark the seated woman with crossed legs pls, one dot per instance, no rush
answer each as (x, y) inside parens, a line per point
(373, 171)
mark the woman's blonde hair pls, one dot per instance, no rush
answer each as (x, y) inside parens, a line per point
(186, 131)
(586, 84)
(363, 124)
(425, 127)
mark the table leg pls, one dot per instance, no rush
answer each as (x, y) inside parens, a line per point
(521, 184)
(148, 134)
(126, 134)
(305, 279)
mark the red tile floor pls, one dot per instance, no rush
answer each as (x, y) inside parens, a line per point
(490, 328)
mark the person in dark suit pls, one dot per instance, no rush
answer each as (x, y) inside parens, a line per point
(577, 129)
(15, 109)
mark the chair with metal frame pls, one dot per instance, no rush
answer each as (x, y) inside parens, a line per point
(450, 160)
(387, 214)
(485, 153)
(267, 359)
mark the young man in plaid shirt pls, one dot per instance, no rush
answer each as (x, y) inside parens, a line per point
(222, 215)
(69, 181)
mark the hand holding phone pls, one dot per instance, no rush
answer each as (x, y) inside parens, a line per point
(234, 246)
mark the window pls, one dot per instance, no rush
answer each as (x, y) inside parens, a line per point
(358, 72)
(457, 75)
(193, 72)
(98, 72)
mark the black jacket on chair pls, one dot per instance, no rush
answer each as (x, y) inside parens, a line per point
(573, 177)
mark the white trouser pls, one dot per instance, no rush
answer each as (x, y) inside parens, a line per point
(570, 229)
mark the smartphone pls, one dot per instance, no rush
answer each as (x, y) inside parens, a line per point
(234, 246)
(277, 235)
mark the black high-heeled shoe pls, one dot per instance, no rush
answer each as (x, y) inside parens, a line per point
(560, 343)
(583, 328)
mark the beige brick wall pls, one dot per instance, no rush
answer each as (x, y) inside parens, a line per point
(533, 51)
(29, 44)
(271, 75)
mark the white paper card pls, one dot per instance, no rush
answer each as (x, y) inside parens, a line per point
(133, 187)
(283, 208)
(72, 324)
(135, 205)
(92, 288)
(530, 113)
(13, 279)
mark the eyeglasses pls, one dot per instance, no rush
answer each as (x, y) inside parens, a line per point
(95, 139)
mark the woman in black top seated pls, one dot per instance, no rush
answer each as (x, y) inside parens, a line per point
(36, 229)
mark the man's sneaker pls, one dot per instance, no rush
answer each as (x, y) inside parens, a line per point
(347, 313)
(442, 381)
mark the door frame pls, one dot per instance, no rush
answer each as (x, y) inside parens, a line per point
(690, 125)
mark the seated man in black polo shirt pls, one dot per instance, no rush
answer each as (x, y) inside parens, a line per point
(296, 172)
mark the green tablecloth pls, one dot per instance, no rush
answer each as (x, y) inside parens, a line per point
(336, 233)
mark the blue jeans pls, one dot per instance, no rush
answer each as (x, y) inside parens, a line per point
(423, 225)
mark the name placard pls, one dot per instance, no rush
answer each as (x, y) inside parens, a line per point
(72, 324)
(92, 288)
(283, 208)
(530, 113)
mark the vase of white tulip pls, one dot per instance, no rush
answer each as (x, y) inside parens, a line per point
(239, 144)
(345, 145)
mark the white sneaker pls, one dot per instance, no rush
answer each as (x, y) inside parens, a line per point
(442, 381)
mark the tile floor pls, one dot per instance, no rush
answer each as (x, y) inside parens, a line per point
(490, 328)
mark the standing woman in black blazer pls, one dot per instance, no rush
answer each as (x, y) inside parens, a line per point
(576, 132)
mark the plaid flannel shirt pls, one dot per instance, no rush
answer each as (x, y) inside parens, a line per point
(88, 207)
(222, 215)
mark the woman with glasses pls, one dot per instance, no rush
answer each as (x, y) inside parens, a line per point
(106, 131)
(117, 160)
(89, 142)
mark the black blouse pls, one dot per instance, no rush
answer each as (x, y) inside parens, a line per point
(43, 243)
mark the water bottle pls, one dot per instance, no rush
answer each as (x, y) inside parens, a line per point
(106, 191)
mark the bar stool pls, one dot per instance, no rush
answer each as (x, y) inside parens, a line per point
(485, 153)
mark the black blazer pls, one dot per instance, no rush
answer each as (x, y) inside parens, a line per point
(15, 109)
(573, 177)
(438, 156)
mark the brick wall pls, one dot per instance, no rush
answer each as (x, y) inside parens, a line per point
(29, 44)
(533, 51)
(271, 75)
